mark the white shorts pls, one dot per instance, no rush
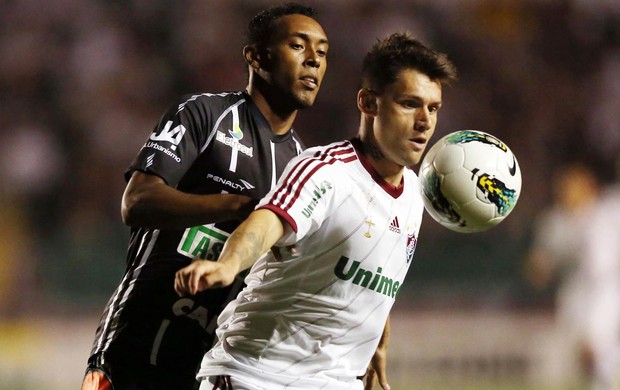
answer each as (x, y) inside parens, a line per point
(225, 382)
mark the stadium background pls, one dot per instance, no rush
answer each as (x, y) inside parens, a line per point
(83, 82)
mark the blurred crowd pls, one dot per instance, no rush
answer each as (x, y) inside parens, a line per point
(82, 83)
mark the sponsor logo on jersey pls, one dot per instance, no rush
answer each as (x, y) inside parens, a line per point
(159, 139)
(162, 149)
(373, 281)
(412, 242)
(246, 184)
(318, 193)
(229, 183)
(394, 227)
(167, 134)
(234, 143)
(205, 242)
(236, 132)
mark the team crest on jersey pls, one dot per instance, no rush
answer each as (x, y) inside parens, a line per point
(412, 242)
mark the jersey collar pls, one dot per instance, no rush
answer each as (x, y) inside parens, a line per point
(393, 191)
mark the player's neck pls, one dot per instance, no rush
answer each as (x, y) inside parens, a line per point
(280, 119)
(390, 172)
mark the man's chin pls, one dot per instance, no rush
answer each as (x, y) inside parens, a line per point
(305, 101)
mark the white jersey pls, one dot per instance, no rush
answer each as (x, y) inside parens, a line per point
(315, 307)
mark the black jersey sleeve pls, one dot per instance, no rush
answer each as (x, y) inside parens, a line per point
(175, 143)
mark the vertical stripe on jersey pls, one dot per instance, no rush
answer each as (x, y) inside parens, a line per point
(234, 153)
(274, 171)
(217, 123)
(298, 146)
(126, 286)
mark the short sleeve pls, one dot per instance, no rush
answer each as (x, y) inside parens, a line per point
(305, 196)
(174, 144)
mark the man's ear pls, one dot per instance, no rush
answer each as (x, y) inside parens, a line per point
(252, 56)
(367, 101)
(256, 57)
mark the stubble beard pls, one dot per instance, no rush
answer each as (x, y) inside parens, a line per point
(301, 102)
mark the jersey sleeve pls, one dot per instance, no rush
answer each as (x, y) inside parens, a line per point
(175, 143)
(305, 195)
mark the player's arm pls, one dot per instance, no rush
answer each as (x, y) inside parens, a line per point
(255, 236)
(378, 365)
(149, 202)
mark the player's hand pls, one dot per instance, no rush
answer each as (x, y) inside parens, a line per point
(201, 275)
(377, 371)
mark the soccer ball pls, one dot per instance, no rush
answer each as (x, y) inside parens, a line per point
(470, 181)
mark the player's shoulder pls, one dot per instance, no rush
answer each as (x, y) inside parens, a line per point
(341, 152)
(325, 161)
(211, 101)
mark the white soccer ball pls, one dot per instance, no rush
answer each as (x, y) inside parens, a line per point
(470, 181)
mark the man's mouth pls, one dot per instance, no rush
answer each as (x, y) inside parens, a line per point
(310, 81)
(418, 141)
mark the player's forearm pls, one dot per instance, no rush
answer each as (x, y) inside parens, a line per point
(251, 240)
(149, 202)
(169, 211)
(385, 337)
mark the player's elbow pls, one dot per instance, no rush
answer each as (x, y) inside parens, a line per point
(138, 200)
(132, 209)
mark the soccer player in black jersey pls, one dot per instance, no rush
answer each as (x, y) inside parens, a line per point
(208, 161)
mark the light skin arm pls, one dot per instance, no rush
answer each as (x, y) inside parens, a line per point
(149, 202)
(377, 371)
(255, 236)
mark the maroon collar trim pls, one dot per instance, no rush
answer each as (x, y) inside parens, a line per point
(393, 191)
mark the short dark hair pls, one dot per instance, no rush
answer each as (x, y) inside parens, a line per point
(260, 28)
(399, 51)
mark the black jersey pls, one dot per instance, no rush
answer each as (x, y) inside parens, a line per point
(207, 144)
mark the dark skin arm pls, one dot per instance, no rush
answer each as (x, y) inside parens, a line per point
(149, 202)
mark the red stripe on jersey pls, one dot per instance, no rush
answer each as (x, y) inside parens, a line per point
(293, 176)
(293, 179)
(282, 214)
(286, 206)
(326, 158)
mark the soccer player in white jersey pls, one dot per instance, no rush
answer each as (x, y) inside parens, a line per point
(338, 232)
